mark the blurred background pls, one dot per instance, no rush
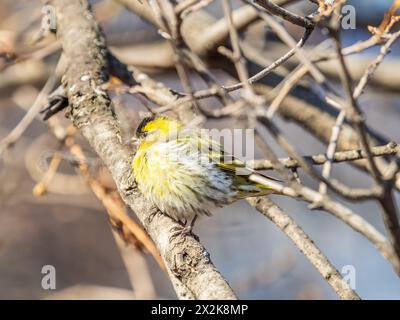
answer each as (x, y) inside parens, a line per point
(67, 227)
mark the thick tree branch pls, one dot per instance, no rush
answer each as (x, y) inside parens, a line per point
(91, 111)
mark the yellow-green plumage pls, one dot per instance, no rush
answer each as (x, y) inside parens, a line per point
(185, 173)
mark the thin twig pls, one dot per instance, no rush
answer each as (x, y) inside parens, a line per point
(330, 153)
(320, 159)
(355, 115)
(305, 245)
(34, 110)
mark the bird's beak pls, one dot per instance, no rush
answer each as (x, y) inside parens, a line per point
(135, 142)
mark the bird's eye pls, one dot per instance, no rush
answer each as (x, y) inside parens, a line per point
(144, 134)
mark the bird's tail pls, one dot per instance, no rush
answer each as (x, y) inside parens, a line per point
(257, 184)
(269, 184)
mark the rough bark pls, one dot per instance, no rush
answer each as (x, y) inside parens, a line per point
(90, 109)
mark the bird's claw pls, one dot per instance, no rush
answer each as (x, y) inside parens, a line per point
(181, 232)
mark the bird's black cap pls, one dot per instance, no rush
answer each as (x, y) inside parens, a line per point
(142, 124)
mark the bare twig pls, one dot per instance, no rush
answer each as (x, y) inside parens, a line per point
(305, 245)
(320, 159)
(330, 152)
(285, 14)
(354, 114)
(18, 131)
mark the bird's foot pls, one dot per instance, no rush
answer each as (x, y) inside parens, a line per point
(186, 230)
(180, 232)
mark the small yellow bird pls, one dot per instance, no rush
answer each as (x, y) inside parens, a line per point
(185, 173)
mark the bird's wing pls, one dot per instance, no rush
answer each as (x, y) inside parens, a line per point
(243, 175)
(248, 182)
(229, 162)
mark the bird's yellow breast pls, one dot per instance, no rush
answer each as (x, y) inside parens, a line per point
(159, 176)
